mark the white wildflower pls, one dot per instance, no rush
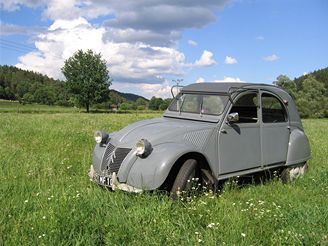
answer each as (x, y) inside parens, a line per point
(210, 225)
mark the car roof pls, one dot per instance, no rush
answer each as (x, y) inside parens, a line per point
(228, 88)
(221, 87)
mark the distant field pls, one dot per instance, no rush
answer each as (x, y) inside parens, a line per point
(46, 197)
(15, 107)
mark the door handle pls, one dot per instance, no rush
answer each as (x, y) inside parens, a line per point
(224, 131)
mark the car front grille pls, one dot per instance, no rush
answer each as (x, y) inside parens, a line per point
(113, 158)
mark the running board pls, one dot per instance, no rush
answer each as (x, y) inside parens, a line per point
(249, 171)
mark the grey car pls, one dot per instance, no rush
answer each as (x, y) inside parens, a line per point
(210, 132)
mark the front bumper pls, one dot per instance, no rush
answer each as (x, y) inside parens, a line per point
(111, 182)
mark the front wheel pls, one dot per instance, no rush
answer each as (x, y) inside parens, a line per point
(184, 180)
(292, 173)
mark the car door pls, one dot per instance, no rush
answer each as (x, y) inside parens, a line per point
(275, 129)
(239, 142)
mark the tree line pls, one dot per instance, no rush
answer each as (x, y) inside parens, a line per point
(309, 91)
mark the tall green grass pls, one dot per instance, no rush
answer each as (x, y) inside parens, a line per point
(46, 197)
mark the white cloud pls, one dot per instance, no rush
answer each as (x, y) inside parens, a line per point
(230, 60)
(206, 59)
(127, 62)
(200, 80)
(192, 42)
(12, 5)
(11, 29)
(225, 79)
(139, 44)
(162, 90)
(271, 58)
(228, 79)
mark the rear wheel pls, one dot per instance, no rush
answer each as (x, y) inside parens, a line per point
(184, 181)
(292, 173)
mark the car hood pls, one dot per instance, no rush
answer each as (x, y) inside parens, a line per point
(160, 130)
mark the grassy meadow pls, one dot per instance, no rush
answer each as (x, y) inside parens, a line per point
(46, 197)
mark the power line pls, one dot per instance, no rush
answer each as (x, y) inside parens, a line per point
(2, 46)
(12, 47)
(16, 44)
(20, 48)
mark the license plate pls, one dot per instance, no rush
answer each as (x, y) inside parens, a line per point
(104, 180)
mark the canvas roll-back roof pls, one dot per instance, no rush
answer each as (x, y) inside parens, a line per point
(212, 87)
(222, 87)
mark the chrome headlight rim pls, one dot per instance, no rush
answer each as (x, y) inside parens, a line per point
(101, 137)
(143, 148)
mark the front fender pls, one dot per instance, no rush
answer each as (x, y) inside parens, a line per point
(150, 173)
(299, 148)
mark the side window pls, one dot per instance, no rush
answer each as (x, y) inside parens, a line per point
(272, 109)
(246, 107)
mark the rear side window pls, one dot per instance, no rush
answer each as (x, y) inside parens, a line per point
(272, 109)
(246, 107)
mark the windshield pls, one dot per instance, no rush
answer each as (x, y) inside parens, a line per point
(198, 104)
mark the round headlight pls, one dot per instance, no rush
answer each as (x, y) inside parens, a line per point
(143, 148)
(101, 137)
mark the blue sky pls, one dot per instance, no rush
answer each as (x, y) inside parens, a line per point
(148, 43)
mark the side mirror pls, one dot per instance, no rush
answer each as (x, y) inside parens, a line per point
(233, 117)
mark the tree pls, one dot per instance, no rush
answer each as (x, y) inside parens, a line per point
(287, 84)
(87, 78)
(141, 104)
(155, 102)
(165, 104)
(312, 101)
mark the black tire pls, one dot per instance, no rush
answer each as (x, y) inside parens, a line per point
(187, 172)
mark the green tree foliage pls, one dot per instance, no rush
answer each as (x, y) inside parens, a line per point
(311, 100)
(165, 104)
(155, 102)
(30, 87)
(128, 106)
(286, 83)
(310, 93)
(87, 78)
(141, 104)
(321, 75)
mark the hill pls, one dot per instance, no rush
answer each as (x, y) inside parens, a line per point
(320, 75)
(310, 92)
(128, 96)
(31, 87)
